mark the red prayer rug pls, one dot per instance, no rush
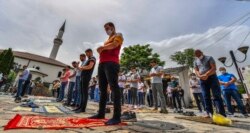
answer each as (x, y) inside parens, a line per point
(43, 122)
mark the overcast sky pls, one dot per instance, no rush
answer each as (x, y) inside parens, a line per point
(168, 25)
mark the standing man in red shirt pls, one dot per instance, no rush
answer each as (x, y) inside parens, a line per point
(108, 73)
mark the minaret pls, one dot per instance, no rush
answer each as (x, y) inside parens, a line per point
(57, 42)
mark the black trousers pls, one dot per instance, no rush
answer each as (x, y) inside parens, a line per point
(150, 98)
(57, 91)
(176, 97)
(53, 92)
(122, 96)
(25, 87)
(108, 74)
(84, 91)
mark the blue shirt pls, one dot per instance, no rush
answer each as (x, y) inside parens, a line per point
(226, 78)
(26, 73)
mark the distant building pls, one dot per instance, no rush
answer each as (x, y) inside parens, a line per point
(47, 67)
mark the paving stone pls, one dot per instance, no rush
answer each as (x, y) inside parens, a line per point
(153, 122)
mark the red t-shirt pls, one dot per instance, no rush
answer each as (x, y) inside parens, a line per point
(66, 76)
(113, 54)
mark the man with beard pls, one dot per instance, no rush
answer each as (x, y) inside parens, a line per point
(108, 73)
(87, 71)
(77, 97)
(205, 69)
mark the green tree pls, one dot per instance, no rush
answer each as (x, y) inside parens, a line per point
(12, 76)
(184, 58)
(6, 61)
(139, 56)
(2, 54)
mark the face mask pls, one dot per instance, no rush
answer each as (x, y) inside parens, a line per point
(201, 57)
(223, 72)
(109, 32)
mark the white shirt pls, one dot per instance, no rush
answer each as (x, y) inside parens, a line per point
(134, 76)
(73, 79)
(140, 86)
(196, 84)
(122, 83)
(78, 72)
(169, 91)
(157, 70)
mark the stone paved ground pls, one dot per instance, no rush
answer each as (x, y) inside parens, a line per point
(147, 122)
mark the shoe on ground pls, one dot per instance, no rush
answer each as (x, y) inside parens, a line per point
(246, 115)
(66, 104)
(113, 122)
(97, 116)
(230, 114)
(18, 100)
(188, 113)
(180, 111)
(164, 111)
(77, 106)
(79, 111)
(129, 117)
(76, 109)
(107, 110)
(58, 100)
(25, 96)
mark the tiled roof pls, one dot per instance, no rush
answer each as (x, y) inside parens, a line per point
(38, 58)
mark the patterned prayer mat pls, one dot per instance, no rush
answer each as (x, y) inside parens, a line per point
(44, 101)
(43, 122)
(19, 108)
(45, 109)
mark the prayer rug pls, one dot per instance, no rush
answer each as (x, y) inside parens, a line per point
(53, 110)
(44, 100)
(44, 109)
(19, 108)
(43, 122)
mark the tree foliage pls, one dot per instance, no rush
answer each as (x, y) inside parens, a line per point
(139, 56)
(6, 61)
(184, 58)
